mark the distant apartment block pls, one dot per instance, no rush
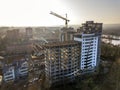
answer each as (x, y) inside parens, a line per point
(13, 35)
(29, 32)
(61, 61)
(90, 37)
(19, 48)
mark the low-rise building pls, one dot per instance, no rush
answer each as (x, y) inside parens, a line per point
(18, 69)
(9, 73)
(21, 68)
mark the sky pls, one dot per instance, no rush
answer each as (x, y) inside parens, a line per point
(36, 12)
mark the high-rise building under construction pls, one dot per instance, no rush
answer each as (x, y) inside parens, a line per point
(90, 37)
(64, 60)
(61, 61)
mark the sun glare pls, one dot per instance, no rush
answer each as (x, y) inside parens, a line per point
(30, 12)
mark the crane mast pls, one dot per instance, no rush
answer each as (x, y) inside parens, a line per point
(59, 16)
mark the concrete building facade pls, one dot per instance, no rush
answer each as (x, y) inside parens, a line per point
(29, 32)
(9, 73)
(67, 34)
(13, 35)
(22, 68)
(61, 61)
(90, 38)
(16, 70)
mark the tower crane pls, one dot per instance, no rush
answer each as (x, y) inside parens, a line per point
(59, 16)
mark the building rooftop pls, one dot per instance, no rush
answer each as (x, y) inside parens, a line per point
(91, 27)
(7, 67)
(56, 44)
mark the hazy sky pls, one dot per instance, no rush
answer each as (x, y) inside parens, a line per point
(36, 12)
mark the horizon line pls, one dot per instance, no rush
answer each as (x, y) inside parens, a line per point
(48, 25)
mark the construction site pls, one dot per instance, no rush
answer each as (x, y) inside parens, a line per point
(77, 52)
(61, 61)
(56, 57)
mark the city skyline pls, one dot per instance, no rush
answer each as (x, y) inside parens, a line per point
(36, 12)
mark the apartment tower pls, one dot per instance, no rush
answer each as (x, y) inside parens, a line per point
(89, 34)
